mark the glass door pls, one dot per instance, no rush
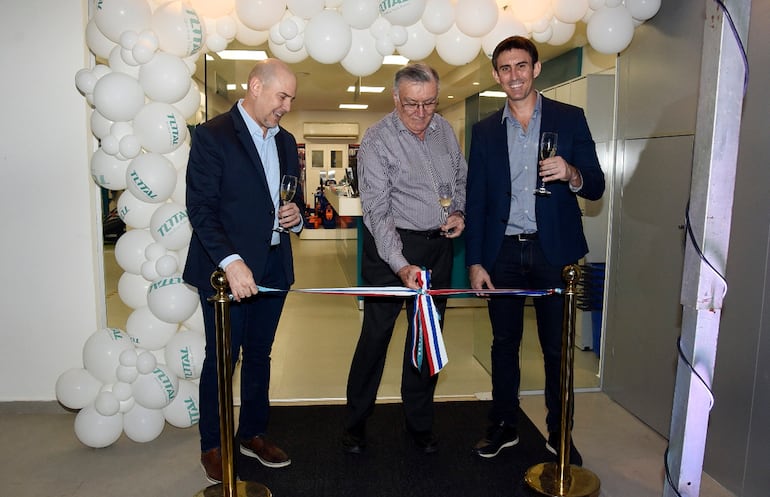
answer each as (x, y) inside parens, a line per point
(324, 161)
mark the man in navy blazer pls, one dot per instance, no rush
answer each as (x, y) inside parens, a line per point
(516, 239)
(234, 172)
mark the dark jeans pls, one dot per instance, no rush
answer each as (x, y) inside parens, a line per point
(253, 322)
(521, 264)
(380, 314)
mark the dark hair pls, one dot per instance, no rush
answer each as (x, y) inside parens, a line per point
(514, 42)
(416, 73)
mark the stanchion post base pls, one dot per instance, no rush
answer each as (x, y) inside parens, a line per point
(242, 489)
(543, 478)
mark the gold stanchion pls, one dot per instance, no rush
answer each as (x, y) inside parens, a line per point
(560, 479)
(229, 486)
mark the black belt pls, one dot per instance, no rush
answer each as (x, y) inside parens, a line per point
(429, 234)
(524, 237)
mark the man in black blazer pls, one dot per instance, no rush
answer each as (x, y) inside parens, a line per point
(515, 239)
(233, 177)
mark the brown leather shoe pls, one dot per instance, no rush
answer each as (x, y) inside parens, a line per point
(211, 462)
(265, 451)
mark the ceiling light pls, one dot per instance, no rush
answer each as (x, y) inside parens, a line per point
(492, 94)
(231, 86)
(450, 96)
(354, 106)
(242, 54)
(395, 60)
(475, 83)
(367, 89)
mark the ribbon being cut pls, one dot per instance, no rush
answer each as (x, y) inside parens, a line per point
(427, 340)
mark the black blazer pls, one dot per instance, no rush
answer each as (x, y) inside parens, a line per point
(228, 199)
(558, 216)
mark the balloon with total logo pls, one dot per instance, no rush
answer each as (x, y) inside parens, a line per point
(148, 331)
(419, 42)
(327, 37)
(476, 17)
(156, 389)
(142, 425)
(402, 12)
(184, 410)
(101, 353)
(165, 78)
(610, 30)
(184, 354)
(114, 17)
(76, 388)
(108, 171)
(151, 178)
(160, 127)
(171, 299)
(118, 96)
(363, 59)
(95, 430)
(170, 226)
(129, 249)
(134, 212)
(260, 15)
(456, 48)
(439, 15)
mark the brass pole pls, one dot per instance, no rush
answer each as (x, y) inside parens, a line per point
(561, 479)
(229, 486)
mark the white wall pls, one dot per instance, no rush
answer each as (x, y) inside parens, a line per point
(51, 299)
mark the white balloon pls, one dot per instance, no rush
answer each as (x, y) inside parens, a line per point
(215, 42)
(610, 30)
(100, 45)
(100, 125)
(134, 212)
(184, 410)
(213, 9)
(95, 430)
(165, 78)
(384, 46)
(111, 146)
(151, 178)
(260, 15)
(122, 391)
(128, 358)
(306, 9)
(380, 28)
(541, 24)
(155, 251)
(147, 331)
(476, 17)
(170, 226)
(195, 323)
(179, 156)
(145, 48)
(126, 374)
(129, 147)
(179, 195)
(419, 42)
(642, 9)
(569, 11)
(613, 3)
(106, 403)
(101, 353)
(184, 354)
(529, 10)
(108, 171)
(397, 35)
(171, 299)
(439, 15)
(118, 96)
(247, 36)
(360, 14)
(226, 28)
(129, 249)
(156, 389)
(543, 36)
(288, 28)
(146, 363)
(113, 17)
(128, 39)
(363, 58)
(333, 4)
(148, 271)
(143, 425)
(166, 265)
(275, 36)
(85, 81)
(507, 25)
(402, 12)
(562, 32)
(456, 48)
(160, 127)
(296, 44)
(327, 37)
(76, 388)
(595, 4)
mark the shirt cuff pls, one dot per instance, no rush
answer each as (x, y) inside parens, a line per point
(230, 258)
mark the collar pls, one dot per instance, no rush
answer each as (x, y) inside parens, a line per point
(255, 129)
(507, 114)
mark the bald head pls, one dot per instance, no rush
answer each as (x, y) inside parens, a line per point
(272, 89)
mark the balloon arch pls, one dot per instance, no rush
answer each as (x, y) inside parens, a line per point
(135, 380)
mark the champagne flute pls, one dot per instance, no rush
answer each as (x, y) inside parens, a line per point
(547, 149)
(288, 189)
(445, 200)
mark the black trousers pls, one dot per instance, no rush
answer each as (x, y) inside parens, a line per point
(380, 314)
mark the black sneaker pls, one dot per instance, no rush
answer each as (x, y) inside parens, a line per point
(499, 437)
(552, 445)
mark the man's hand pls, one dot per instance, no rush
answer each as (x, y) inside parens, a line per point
(557, 169)
(241, 280)
(289, 215)
(479, 278)
(454, 226)
(408, 275)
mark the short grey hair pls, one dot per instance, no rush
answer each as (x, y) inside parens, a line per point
(415, 73)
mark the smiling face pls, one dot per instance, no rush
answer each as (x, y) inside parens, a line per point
(516, 75)
(270, 95)
(415, 104)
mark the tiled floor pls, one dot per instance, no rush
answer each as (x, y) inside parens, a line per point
(311, 356)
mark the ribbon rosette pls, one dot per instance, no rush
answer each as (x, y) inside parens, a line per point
(427, 341)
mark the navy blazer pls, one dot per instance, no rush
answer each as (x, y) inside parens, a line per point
(228, 199)
(558, 217)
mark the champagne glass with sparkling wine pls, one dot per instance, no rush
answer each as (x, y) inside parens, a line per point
(288, 189)
(445, 200)
(547, 149)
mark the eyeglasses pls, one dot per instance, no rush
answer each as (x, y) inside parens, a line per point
(428, 106)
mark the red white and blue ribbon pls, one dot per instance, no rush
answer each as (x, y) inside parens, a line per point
(427, 340)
